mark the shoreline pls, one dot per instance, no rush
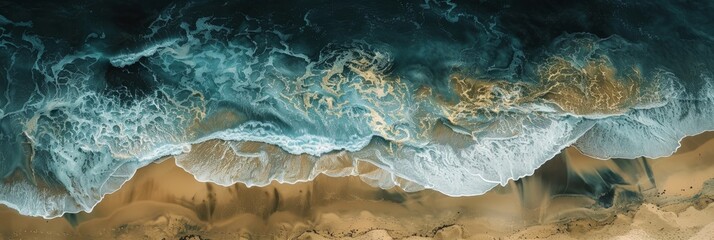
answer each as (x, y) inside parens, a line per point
(163, 193)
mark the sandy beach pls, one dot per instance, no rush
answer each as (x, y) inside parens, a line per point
(571, 197)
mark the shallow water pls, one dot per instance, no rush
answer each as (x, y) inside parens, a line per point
(570, 196)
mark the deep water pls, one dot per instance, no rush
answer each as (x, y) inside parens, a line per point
(456, 96)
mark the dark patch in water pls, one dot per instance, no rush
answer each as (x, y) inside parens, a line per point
(128, 83)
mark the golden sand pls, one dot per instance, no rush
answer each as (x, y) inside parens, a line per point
(164, 201)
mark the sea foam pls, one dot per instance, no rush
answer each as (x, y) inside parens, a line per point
(254, 99)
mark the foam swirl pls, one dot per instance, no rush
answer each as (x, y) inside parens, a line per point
(438, 96)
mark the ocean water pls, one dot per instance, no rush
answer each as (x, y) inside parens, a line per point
(455, 96)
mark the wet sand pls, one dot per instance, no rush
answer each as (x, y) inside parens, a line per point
(570, 197)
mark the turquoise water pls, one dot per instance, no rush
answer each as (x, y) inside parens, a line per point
(456, 97)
